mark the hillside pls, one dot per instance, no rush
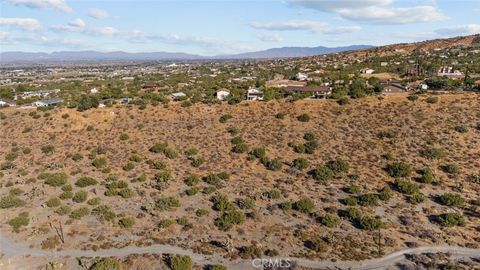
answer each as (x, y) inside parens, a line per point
(145, 185)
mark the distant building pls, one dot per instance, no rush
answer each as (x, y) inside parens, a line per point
(383, 64)
(7, 103)
(423, 86)
(39, 93)
(255, 94)
(94, 90)
(313, 91)
(448, 71)
(128, 78)
(367, 71)
(178, 95)
(150, 85)
(222, 94)
(48, 102)
(284, 83)
(302, 77)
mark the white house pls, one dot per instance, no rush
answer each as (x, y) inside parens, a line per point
(255, 94)
(7, 103)
(222, 94)
(178, 95)
(302, 76)
(367, 71)
(94, 90)
(48, 102)
(423, 86)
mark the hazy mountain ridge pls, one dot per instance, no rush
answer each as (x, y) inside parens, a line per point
(120, 55)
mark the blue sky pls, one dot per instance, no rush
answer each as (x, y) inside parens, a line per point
(222, 27)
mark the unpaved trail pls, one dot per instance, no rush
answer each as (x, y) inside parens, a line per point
(10, 249)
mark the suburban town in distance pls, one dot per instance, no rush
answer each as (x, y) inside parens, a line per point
(215, 135)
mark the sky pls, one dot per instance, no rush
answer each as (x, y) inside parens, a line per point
(227, 27)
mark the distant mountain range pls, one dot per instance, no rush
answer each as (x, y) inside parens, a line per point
(66, 56)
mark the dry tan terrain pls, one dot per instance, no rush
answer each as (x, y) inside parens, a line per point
(349, 132)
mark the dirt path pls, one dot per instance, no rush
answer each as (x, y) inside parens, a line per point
(10, 249)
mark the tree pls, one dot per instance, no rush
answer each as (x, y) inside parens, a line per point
(87, 102)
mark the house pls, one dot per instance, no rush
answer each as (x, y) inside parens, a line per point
(284, 83)
(367, 71)
(150, 85)
(7, 103)
(422, 86)
(222, 94)
(128, 78)
(94, 90)
(178, 95)
(448, 71)
(383, 64)
(393, 88)
(313, 91)
(302, 77)
(48, 102)
(255, 94)
(39, 93)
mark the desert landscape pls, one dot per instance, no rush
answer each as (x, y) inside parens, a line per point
(308, 179)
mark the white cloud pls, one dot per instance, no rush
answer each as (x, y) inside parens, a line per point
(43, 4)
(23, 23)
(270, 37)
(374, 11)
(300, 25)
(468, 29)
(333, 5)
(104, 31)
(98, 13)
(77, 26)
(379, 15)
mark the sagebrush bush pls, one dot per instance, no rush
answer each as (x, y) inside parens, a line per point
(54, 179)
(304, 205)
(85, 182)
(399, 169)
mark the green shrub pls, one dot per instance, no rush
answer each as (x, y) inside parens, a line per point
(343, 101)
(7, 166)
(224, 118)
(399, 169)
(93, 201)
(54, 179)
(237, 140)
(433, 153)
(192, 191)
(451, 168)
(417, 198)
(368, 199)
(124, 137)
(201, 212)
(158, 147)
(240, 148)
(126, 222)
(385, 193)
(180, 262)
(221, 203)
(330, 221)
(246, 203)
(77, 157)
(63, 210)
(80, 196)
(108, 264)
(352, 189)
(272, 194)
(300, 163)
(157, 164)
(15, 191)
(197, 162)
(170, 153)
(85, 182)
(350, 201)
(322, 174)
(303, 117)
(304, 205)
(129, 166)
(370, 223)
(258, 152)
(451, 199)
(431, 100)
(79, 213)
(451, 220)
(66, 195)
(338, 166)
(280, 115)
(21, 220)
(192, 180)
(406, 187)
(353, 214)
(167, 203)
(135, 158)
(165, 223)
(309, 136)
(274, 164)
(53, 202)
(99, 162)
(285, 206)
(427, 176)
(104, 211)
(217, 267)
(48, 149)
(461, 129)
(191, 152)
(228, 219)
(311, 146)
(10, 201)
